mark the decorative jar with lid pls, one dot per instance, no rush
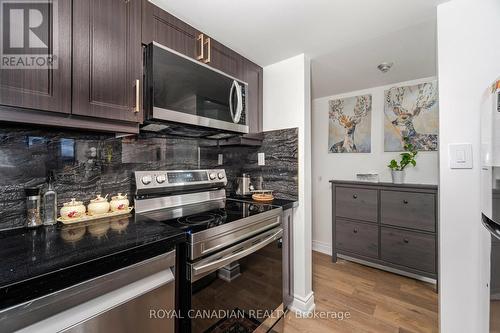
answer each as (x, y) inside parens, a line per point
(73, 209)
(119, 203)
(98, 206)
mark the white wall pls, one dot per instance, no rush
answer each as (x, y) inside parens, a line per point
(287, 103)
(468, 62)
(327, 166)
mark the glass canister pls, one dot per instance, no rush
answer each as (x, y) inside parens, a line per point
(33, 216)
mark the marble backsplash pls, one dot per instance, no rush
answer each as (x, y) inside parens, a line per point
(280, 171)
(87, 164)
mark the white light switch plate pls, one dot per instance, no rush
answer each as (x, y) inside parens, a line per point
(220, 159)
(460, 156)
(261, 159)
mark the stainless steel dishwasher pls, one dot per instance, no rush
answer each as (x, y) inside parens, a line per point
(137, 298)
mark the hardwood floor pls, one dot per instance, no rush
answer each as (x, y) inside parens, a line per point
(377, 301)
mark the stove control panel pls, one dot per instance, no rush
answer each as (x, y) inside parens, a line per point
(172, 180)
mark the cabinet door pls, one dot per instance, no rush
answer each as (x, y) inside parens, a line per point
(223, 58)
(107, 59)
(356, 203)
(168, 30)
(253, 76)
(408, 210)
(359, 238)
(407, 248)
(43, 89)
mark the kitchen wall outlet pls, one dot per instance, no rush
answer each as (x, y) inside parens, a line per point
(261, 157)
(460, 156)
(220, 159)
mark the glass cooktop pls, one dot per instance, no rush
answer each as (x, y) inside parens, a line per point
(198, 217)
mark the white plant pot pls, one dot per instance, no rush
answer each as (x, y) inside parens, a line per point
(398, 177)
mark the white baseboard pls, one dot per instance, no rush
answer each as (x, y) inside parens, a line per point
(322, 247)
(304, 305)
(388, 269)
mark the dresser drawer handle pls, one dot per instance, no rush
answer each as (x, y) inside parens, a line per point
(355, 196)
(406, 240)
(355, 230)
(405, 202)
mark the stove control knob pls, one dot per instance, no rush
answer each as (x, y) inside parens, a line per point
(212, 176)
(220, 175)
(146, 180)
(160, 179)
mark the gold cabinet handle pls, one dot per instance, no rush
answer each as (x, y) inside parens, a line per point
(137, 96)
(208, 43)
(201, 38)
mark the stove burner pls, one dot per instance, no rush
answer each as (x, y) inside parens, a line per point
(199, 219)
(211, 219)
(255, 208)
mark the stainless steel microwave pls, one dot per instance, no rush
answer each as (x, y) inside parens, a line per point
(181, 90)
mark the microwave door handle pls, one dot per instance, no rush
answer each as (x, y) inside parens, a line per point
(239, 107)
(231, 99)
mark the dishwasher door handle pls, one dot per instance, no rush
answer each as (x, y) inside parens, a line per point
(237, 252)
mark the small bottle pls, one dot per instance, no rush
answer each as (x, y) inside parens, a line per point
(50, 203)
(33, 218)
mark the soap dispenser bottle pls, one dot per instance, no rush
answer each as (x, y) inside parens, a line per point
(50, 202)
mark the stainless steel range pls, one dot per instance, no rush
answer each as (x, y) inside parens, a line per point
(231, 269)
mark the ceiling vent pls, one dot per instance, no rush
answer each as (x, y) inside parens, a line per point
(385, 66)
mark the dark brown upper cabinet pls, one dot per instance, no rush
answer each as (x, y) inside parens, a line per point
(97, 83)
(209, 51)
(252, 74)
(223, 58)
(107, 59)
(166, 29)
(43, 89)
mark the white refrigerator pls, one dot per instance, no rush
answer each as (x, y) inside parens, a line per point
(490, 193)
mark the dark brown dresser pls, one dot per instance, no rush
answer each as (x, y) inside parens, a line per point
(388, 226)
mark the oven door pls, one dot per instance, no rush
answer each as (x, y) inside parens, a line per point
(240, 288)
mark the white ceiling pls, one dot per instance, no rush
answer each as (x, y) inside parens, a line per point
(345, 39)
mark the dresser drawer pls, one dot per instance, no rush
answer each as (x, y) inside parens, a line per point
(409, 210)
(407, 248)
(356, 203)
(360, 238)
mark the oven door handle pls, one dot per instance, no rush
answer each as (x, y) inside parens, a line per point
(203, 268)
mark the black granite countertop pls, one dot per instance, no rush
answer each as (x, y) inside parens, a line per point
(35, 262)
(284, 203)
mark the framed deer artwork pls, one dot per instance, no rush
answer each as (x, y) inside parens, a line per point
(350, 125)
(412, 112)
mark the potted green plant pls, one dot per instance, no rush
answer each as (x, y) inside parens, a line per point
(407, 158)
